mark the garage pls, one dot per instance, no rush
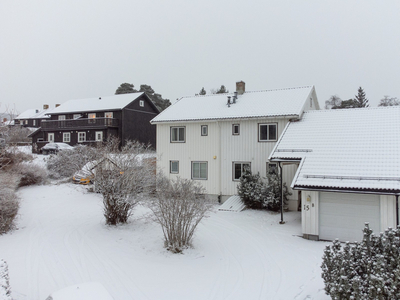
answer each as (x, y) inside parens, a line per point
(343, 215)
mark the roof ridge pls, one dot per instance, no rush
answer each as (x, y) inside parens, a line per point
(353, 109)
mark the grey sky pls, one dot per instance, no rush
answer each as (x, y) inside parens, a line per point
(54, 51)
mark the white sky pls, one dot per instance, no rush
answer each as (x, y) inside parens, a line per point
(54, 51)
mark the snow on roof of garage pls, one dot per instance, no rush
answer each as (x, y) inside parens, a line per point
(344, 149)
(269, 103)
(27, 114)
(96, 104)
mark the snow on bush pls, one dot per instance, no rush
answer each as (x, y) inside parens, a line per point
(366, 270)
(178, 207)
(9, 203)
(257, 193)
(67, 162)
(5, 290)
(31, 174)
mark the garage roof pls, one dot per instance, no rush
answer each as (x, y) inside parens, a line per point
(344, 149)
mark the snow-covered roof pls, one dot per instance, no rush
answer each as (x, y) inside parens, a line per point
(344, 149)
(96, 104)
(269, 103)
(27, 114)
(43, 114)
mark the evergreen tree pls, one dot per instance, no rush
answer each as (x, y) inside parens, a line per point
(156, 98)
(361, 100)
(222, 90)
(272, 192)
(125, 88)
(202, 91)
(250, 189)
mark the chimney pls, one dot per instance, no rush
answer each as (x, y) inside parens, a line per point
(229, 101)
(234, 97)
(57, 105)
(45, 106)
(240, 87)
(37, 111)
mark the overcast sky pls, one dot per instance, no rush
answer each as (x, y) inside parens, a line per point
(54, 51)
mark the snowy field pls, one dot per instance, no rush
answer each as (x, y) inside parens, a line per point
(62, 240)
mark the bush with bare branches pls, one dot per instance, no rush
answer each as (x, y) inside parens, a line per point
(5, 289)
(31, 174)
(123, 177)
(9, 203)
(179, 207)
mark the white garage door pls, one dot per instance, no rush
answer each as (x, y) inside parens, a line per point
(343, 215)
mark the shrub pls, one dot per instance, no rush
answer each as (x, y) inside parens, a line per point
(5, 290)
(31, 174)
(178, 207)
(8, 209)
(366, 270)
(272, 193)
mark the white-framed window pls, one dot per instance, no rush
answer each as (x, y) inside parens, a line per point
(204, 130)
(199, 170)
(238, 169)
(235, 129)
(61, 117)
(174, 166)
(76, 116)
(81, 137)
(267, 132)
(272, 168)
(141, 103)
(66, 137)
(177, 134)
(26, 122)
(108, 114)
(50, 137)
(99, 136)
(92, 118)
(34, 122)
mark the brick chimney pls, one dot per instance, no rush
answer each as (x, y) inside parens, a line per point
(45, 106)
(240, 87)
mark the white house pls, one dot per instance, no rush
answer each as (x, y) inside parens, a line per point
(349, 170)
(211, 138)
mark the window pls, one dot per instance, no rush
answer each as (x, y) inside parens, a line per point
(272, 168)
(26, 122)
(108, 115)
(50, 137)
(40, 140)
(310, 102)
(99, 136)
(141, 103)
(34, 122)
(204, 130)
(177, 134)
(92, 118)
(76, 116)
(174, 166)
(61, 117)
(81, 137)
(235, 129)
(199, 170)
(66, 137)
(267, 132)
(239, 168)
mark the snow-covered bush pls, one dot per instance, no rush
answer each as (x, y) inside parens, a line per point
(251, 189)
(5, 290)
(272, 192)
(31, 174)
(178, 207)
(365, 270)
(8, 208)
(67, 162)
(122, 177)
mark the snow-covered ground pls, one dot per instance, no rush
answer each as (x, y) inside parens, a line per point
(62, 240)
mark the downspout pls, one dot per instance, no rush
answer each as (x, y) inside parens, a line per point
(397, 210)
(281, 179)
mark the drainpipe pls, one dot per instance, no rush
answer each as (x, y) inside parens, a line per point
(281, 173)
(397, 210)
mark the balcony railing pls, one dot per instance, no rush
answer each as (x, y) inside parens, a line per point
(80, 123)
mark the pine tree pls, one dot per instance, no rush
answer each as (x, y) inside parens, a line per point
(202, 91)
(361, 100)
(125, 88)
(222, 90)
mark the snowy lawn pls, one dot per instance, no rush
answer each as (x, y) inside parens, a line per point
(61, 240)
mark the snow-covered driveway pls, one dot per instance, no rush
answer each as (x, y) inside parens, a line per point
(62, 240)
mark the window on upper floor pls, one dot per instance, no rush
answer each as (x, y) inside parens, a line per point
(141, 103)
(238, 169)
(61, 117)
(310, 102)
(174, 166)
(177, 134)
(76, 116)
(92, 118)
(267, 132)
(235, 129)
(204, 130)
(34, 122)
(199, 170)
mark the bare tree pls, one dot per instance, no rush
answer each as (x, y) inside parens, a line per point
(389, 101)
(333, 102)
(179, 207)
(123, 177)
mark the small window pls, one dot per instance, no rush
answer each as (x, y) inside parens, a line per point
(50, 137)
(310, 102)
(61, 117)
(34, 122)
(177, 134)
(26, 122)
(66, 137)
(199, 170)
(174, 166)
(108, 115)
(239, 168)
(267, 132)
(99, 136)
(204, 130)
(272, 168)
(81, 137)
(92, 118)
(236, 129)
(141, 103)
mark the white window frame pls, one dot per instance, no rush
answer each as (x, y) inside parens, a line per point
(91, 118)
(233, 129)
(268, 132)
(242, 165)
(96, 137)
(173, 170)
(141, 103)
(177, 135)
(34, 122)
(83, 135)
(109, 115)
(66, 137)
(204, 130)
(50, 137)
(61, 117)
(199, 176)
